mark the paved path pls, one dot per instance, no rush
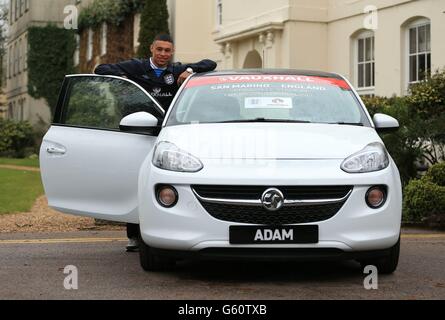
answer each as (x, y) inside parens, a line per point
(32, 268)
(7, 166)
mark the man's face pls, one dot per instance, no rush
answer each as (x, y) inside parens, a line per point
(161, 53)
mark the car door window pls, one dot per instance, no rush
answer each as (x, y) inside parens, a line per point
(102, 102)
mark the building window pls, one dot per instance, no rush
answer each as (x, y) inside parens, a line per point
(21, 110)
(10, 62)
(17, 9)
(19, 56)
(365, 61)
(10, 111)
(77, 52)
(22, 7)
(15, 59)
(90, 44)
(219, 12)
(419, 51)
(25, 54)
(103, 39)
(4, 65)
(11, 11)
(26, 5)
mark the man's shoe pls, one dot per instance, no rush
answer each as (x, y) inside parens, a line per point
(133, 245)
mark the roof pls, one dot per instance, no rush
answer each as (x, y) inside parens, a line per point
(309, 73)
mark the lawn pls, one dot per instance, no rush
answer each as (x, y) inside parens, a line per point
(20, 162)
(18, 190)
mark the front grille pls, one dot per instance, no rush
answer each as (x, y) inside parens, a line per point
(256, 214)
(255, 192)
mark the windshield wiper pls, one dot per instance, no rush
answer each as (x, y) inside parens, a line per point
(349, 123)
(264, 120)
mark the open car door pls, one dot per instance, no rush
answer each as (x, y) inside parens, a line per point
(89, 167)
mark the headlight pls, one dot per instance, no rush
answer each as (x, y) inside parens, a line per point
(372, 158)
(168, 156)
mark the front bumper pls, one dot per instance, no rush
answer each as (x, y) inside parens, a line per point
(188, 227)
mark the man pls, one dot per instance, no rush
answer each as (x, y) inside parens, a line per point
(157, 75)
(161, 79)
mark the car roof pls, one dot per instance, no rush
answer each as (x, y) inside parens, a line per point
(308, 73)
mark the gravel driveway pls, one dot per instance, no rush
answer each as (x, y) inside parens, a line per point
(41, 218)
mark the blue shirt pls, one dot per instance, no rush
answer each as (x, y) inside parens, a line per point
(156, 69)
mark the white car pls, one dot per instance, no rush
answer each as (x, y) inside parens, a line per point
(268, 164)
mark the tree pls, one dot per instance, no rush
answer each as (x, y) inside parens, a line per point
(427, 102)
(421, 114)
(154, 20)
(3, 31)
(50, 59)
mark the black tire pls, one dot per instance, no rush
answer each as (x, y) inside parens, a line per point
(388, 264)
(152, 262)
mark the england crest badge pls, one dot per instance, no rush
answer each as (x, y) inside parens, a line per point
(169, 79)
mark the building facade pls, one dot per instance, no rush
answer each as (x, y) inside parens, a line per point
(108, 43)
(380, 45)
(105, 43)
(22, 15)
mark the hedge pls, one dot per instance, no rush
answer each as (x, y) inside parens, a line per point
(424, 200)
(17, 139)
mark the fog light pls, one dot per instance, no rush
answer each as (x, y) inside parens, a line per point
(167, 196)
(376, 197)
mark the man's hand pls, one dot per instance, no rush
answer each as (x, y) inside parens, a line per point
(183, 77)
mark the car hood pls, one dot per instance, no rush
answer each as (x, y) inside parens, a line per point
(269, 140)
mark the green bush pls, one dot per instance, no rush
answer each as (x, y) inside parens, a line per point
(376, 104)
(421, 115)
(426, 103)
(402, 145)
(423, 200)
(436, 174)
(427, 98)
(16, 139)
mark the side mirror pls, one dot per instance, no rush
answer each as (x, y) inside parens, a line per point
(385, 124)
(140, 122)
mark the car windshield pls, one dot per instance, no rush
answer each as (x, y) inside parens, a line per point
(267, 98)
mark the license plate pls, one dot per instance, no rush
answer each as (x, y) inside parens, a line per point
(274, 235)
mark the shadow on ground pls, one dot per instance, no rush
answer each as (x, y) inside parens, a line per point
(277, 272)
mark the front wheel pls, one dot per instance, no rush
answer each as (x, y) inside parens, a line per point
(388, 264)
(150, 261)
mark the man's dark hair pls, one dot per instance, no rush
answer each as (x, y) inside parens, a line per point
(163, 37)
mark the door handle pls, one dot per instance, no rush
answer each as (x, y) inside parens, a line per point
(55, 150)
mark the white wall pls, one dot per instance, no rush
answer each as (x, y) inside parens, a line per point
(194, 21)
(390, 51)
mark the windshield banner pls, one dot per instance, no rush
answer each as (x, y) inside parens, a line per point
(221, 80)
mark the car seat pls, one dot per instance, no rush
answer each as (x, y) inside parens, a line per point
(214, 108)
(303, 108)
